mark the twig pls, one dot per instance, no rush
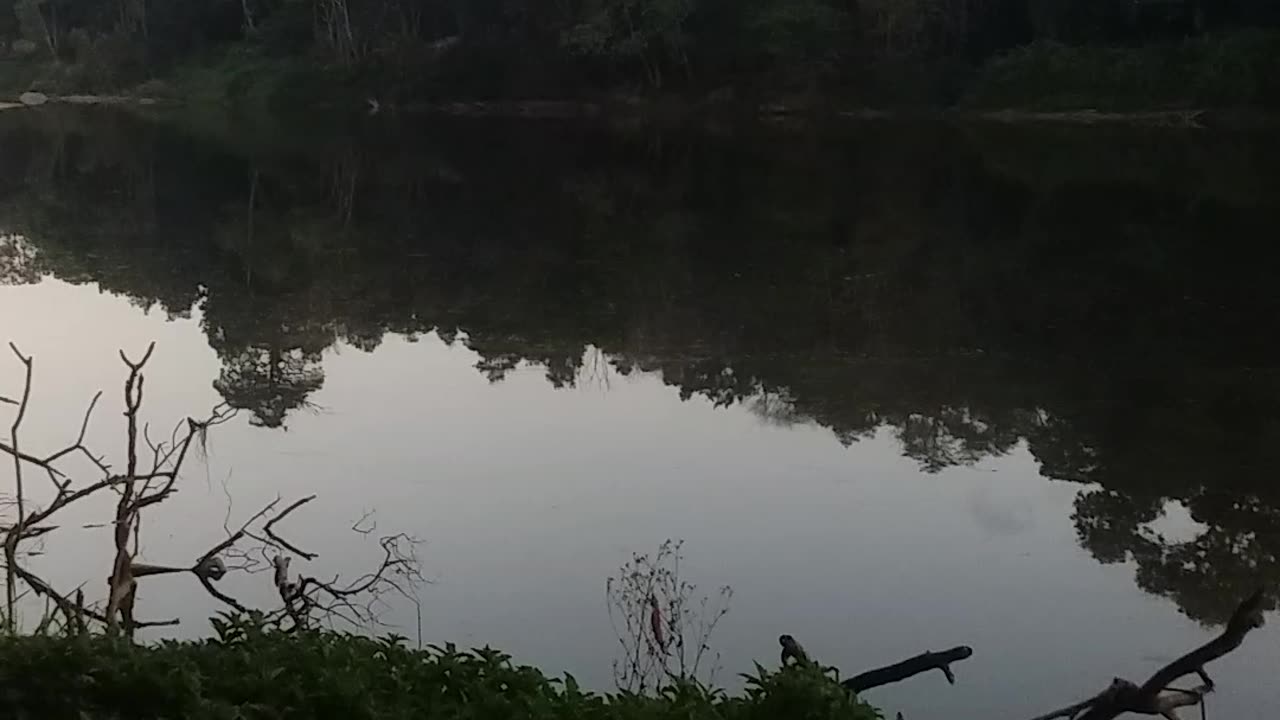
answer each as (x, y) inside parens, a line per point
(309, 593)
(11, 542)
(220, 595)
(285, 543)
(235, 537)
(79, 444)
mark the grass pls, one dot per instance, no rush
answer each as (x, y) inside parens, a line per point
(250, 672)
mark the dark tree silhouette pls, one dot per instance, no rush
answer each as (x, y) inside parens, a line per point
(269, 383)
(963, 293)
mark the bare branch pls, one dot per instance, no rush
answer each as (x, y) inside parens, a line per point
(356, 602)
(1155, 697)
(235, 537)
(359, 526)
(1246, 618)
(137, 366)
(79, 443)
(282, 542)
(40, 587)
(909, 668)
(16, 533)
(232, 602)
(139, 488)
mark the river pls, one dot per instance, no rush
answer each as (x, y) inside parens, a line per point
(901, 387)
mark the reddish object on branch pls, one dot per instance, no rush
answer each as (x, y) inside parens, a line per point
(655, 624)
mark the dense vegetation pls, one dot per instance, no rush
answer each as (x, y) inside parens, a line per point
(864, 52)
(251, 673)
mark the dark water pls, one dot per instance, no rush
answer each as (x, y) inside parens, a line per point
(903, 388)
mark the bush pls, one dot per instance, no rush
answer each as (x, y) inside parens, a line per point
(1229, 70)
(245, 78)
(249, 672)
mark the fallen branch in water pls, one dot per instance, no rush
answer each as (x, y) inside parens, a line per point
(1155, 696)
(792, 650)
(909, 668)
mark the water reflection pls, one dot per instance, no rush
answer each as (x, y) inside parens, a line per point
(1105, 300)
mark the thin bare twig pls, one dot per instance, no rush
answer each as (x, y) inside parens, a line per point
(235, 537)
(285, 543)
(79, 443)
(11, 542)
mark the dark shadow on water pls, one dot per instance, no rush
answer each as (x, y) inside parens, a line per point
(1105, 297)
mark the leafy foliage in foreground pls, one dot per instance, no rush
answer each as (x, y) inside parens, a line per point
(248, 672)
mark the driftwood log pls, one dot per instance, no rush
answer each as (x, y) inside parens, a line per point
(1155, 696)
(909, 668)
(792, 650)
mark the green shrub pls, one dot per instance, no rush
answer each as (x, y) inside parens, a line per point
(249, 672)
(1229, 70)
(245, 78)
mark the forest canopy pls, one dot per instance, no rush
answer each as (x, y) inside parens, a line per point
(873, 51)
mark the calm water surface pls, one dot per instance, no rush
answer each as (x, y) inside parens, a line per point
(901, 388)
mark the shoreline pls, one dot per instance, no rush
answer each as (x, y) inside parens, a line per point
(647, 110)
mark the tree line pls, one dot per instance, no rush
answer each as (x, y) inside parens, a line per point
(514, 47)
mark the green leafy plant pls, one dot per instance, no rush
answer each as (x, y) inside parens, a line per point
(251, 670)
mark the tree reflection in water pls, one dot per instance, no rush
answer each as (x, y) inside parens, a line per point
(972, 292)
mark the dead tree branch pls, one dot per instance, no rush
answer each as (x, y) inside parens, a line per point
(307, 598)
(1155, 696)
(356, 602)
(77, 609)
(909, 668)
(139, 487)
(284, 543)
(165, 471)
(792, 650)
(11, 542)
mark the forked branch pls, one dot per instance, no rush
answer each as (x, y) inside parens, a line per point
(1156, 696)
(140, 487)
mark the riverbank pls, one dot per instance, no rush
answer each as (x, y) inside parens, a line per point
(656, 113)
(250, 672)
(1211, 80)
